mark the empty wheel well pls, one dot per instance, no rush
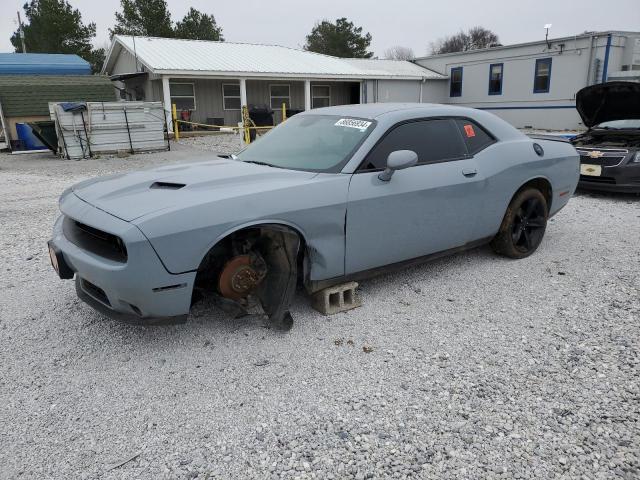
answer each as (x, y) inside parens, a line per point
(541, 184)
(237, 243)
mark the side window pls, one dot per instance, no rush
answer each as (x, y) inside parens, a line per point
(542, 76)
(433, 141)
(455, 82)
(495, 78)
(474, 135)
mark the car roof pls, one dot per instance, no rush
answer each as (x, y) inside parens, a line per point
(388, 114)
(376, 110)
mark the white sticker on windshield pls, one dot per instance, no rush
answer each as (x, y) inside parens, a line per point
(353, 123)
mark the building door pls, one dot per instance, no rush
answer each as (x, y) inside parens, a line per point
(354, 93)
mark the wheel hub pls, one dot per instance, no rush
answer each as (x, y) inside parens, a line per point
(528, 226)
(238, 278)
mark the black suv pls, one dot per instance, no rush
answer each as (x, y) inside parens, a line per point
(610, 149)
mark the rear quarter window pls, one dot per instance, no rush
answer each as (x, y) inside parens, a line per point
(475, 136)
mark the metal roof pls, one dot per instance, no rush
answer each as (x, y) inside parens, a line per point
(393, 68)
(170, 56)
(43, 64)
(528, 44)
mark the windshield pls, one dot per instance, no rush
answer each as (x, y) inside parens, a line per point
(317, 143)
(620, 124)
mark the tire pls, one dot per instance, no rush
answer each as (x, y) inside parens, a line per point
(523, 225)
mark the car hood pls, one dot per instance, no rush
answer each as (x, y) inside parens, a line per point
(133, 195)
(608, 101)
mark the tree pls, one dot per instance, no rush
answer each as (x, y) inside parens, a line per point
(340, 39)
(474, 39)
(143, 17)
(198, 26)
(399, 53)
(53, 26)
(96, 58)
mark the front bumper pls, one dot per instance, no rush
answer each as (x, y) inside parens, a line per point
(609, 187)
(624, 177)
(138, 291)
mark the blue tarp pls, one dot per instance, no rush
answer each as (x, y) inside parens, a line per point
(73, 106)
(43, 64)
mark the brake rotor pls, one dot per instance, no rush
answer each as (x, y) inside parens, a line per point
(238, 278)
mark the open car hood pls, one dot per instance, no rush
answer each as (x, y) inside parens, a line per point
(608, 101)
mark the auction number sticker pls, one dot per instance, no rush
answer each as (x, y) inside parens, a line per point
(353, 123)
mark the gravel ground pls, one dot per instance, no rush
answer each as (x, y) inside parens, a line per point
(472, 366)
(224, 143)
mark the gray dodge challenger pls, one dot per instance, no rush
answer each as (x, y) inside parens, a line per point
(330, 195)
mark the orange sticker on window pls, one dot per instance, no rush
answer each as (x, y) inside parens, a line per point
(468, 129)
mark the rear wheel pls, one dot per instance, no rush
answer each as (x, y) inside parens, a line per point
(523, 225)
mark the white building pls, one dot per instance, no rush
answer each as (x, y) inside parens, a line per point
(212, 80)
(534, 84)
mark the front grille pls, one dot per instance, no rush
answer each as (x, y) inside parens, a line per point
(603, 149)
(94, 240)
(606, 161)
(587, 178)
(95, 291)
(609, 157)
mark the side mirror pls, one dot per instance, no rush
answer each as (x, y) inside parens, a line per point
(398, 160)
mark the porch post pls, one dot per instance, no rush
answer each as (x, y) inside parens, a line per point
(166, 96)
(243, 92)
(307, 94)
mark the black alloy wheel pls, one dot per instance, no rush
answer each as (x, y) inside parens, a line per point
(523, 225)
(529, 224)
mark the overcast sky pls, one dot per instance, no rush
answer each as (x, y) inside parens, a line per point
(411, 23)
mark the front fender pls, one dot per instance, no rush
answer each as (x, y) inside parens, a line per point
(316, 210)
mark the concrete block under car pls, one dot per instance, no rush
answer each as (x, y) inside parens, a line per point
(336, 299)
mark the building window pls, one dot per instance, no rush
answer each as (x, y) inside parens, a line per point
(231, 96)
(320, 96)
(455, 86)
(279, 94)
(542, 78)
(183, 95)
(495, 78)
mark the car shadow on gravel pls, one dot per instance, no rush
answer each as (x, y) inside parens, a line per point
(207, 320)
(613, 196)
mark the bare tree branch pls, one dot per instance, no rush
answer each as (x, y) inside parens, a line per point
(399, 53)
(475, 38)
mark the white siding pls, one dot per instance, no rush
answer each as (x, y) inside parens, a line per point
(575, 64)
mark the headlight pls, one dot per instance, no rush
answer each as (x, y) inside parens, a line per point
(636, 157)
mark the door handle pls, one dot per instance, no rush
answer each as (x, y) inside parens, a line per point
(469, 172)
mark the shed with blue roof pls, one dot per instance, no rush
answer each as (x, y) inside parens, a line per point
(43, 64)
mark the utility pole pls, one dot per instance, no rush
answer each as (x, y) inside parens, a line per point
(24, 49)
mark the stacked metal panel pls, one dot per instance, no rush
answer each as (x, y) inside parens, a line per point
(109, 127)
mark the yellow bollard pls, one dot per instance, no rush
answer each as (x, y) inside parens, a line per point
(174, 116)
(284, 111)
(246, 124)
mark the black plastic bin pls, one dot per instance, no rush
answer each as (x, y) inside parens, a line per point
(45, 131)
(218, 121)
(292, 111)
(262, 116)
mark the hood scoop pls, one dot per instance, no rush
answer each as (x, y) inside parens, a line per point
(167, 186)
